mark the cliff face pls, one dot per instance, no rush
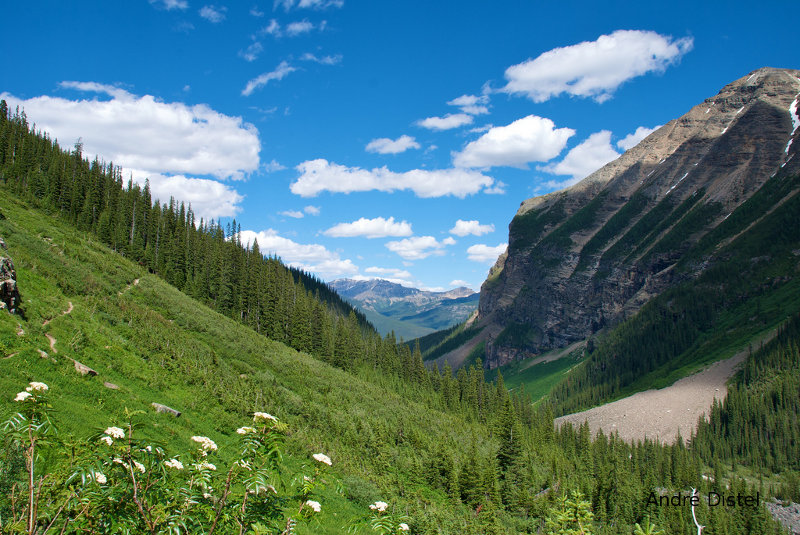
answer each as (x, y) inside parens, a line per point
(589, 256)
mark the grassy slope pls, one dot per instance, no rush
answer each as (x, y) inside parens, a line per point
(537, 380)
(160, 346)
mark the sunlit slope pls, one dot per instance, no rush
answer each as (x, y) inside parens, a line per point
(157, 345)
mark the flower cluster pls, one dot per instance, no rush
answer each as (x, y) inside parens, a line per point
(206, 444)
(205, 466)
(246, 429)
(174, 463)
(379, 506)
(321, 457)
(263, 417)
(314, 505)
(33, 387)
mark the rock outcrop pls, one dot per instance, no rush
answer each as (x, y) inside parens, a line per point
(9, 293)
(591, 255)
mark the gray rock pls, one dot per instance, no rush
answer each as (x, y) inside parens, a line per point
(550, 290)
(83, 369)
(167, 410)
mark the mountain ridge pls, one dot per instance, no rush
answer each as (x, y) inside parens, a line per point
(585, 258)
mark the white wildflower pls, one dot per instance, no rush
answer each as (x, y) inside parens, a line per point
(246, 429)
(115, 432)
(205, 466)
(118, 460)
(206, 443)
(22, 396)
(149, 449)
(37, 387)
(206, 495)
(314, 505)
(306, 478)
(108, 440)
(257, 416)
(139, 466)
(174, 463)
(403, 526)
(321, 457)
(379, 506)
(100, 478)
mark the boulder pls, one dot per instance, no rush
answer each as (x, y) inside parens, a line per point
(83, 369)
(167, 410)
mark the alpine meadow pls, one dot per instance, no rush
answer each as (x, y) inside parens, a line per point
(187, 347)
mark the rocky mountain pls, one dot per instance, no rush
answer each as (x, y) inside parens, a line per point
(589, 256)
(409, 312)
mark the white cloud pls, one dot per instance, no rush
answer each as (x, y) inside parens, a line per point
(320, 175)
(370, 228)
(458, 283)
(384, 145)
(274, 29)
(254, 11)
(485, 254)
(252, 52)
(209, 199)
(530, 139)
(448, 122)
(311, 210)
(146, 133)
(396, 274)
(296, 28)
(417, 247)
(499, 188)
(293, 213)
(313, 257)
(586, 158)
(308, 4)
(324, 60)
(631, 140)
(471, 104)
(213, 13)
(463, 228)
(171, 4)
(595, 68)
(273, 166)
(281, 71)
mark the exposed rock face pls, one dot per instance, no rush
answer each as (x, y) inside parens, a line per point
(9, 293)
(589, 256)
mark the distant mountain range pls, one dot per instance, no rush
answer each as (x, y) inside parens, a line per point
(409, 312)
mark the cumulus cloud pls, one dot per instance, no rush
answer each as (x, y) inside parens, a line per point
(485, 254)
(320, 175)
(499, 188)
(296, 28)
(162, 141)
(313, 257)
(254, 11)
(448, 122)
(273, 28)
(293, 213)
(417, 247)
(370, 228)
(281, 71)
(471, 104)
(394, 273)
(384, 145)
(458, 283)
(530, 139)
(631, 140)
(595, 68)
(209, 199)
(171, 4)
(213, 13)
(586, 158)
(463, 228)
(146, 133)
(311, 210)
(324, 60)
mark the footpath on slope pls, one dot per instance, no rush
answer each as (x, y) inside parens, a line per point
(662, 414)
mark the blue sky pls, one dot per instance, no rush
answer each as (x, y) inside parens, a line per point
(372, 138)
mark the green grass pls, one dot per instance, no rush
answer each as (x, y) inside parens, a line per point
(536, 381)
(158, 345)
